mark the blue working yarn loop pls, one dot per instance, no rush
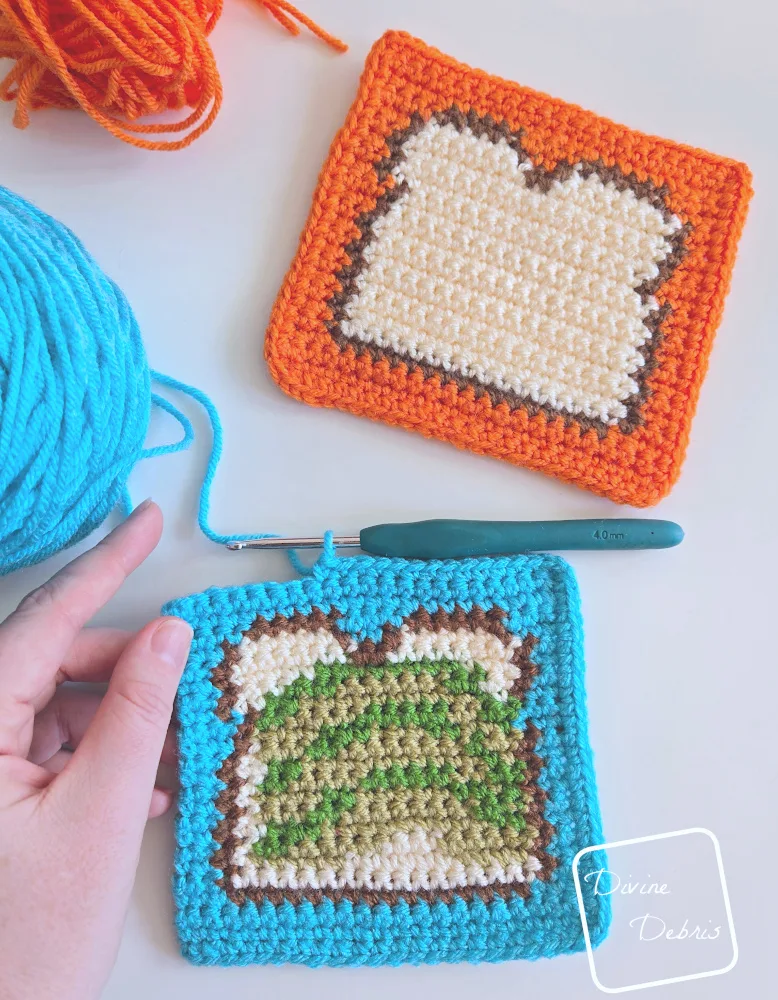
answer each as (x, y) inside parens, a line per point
(162, 449)
(213, 463)
(330, 553)
(213, 460)
(75, 394)
(186, 440)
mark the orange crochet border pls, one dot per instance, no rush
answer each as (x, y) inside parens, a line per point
(710, 193)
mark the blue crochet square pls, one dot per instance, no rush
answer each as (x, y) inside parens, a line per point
(384, 762)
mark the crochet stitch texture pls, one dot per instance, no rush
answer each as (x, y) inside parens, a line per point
(386, 762)
(510, 273)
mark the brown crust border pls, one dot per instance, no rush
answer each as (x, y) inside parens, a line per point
(542, 179)
(370, 652)
(221, 676)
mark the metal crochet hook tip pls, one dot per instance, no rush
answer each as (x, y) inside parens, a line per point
(453, 539)
(341, 541)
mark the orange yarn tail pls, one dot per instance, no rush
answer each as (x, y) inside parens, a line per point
(123, 61)
(280, 8)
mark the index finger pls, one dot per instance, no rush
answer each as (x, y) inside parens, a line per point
(35, 639)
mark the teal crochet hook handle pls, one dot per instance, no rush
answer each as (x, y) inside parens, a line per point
(451, 539)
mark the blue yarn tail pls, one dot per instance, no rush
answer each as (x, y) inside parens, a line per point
(213, 460)
(163, 404)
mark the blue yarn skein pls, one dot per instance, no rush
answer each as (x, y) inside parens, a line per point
(75, 392)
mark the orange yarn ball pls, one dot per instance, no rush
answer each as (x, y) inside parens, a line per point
(121, 61)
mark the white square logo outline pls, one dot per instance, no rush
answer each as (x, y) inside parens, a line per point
(642, 840)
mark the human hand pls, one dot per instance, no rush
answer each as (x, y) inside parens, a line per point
(71, 823)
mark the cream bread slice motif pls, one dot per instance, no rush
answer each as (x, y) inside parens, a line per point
(370, 777)
(536, 285)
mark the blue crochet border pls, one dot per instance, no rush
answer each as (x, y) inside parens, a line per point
(540, 595)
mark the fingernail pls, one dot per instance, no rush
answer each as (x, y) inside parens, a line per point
(142, 506)
(171, 640)
(161, 801)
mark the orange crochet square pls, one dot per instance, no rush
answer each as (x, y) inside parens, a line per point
(502, 270)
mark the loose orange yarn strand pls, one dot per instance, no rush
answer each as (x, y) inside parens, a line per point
(278, 8)
(123, 61)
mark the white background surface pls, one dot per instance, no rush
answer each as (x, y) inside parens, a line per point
(680, 644)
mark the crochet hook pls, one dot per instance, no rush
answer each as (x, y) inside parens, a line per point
(452, 539)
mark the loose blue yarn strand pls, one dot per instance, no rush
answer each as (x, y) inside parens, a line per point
(214, 458)
(186, 440)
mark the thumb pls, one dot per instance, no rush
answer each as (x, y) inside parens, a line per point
(115, 765)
